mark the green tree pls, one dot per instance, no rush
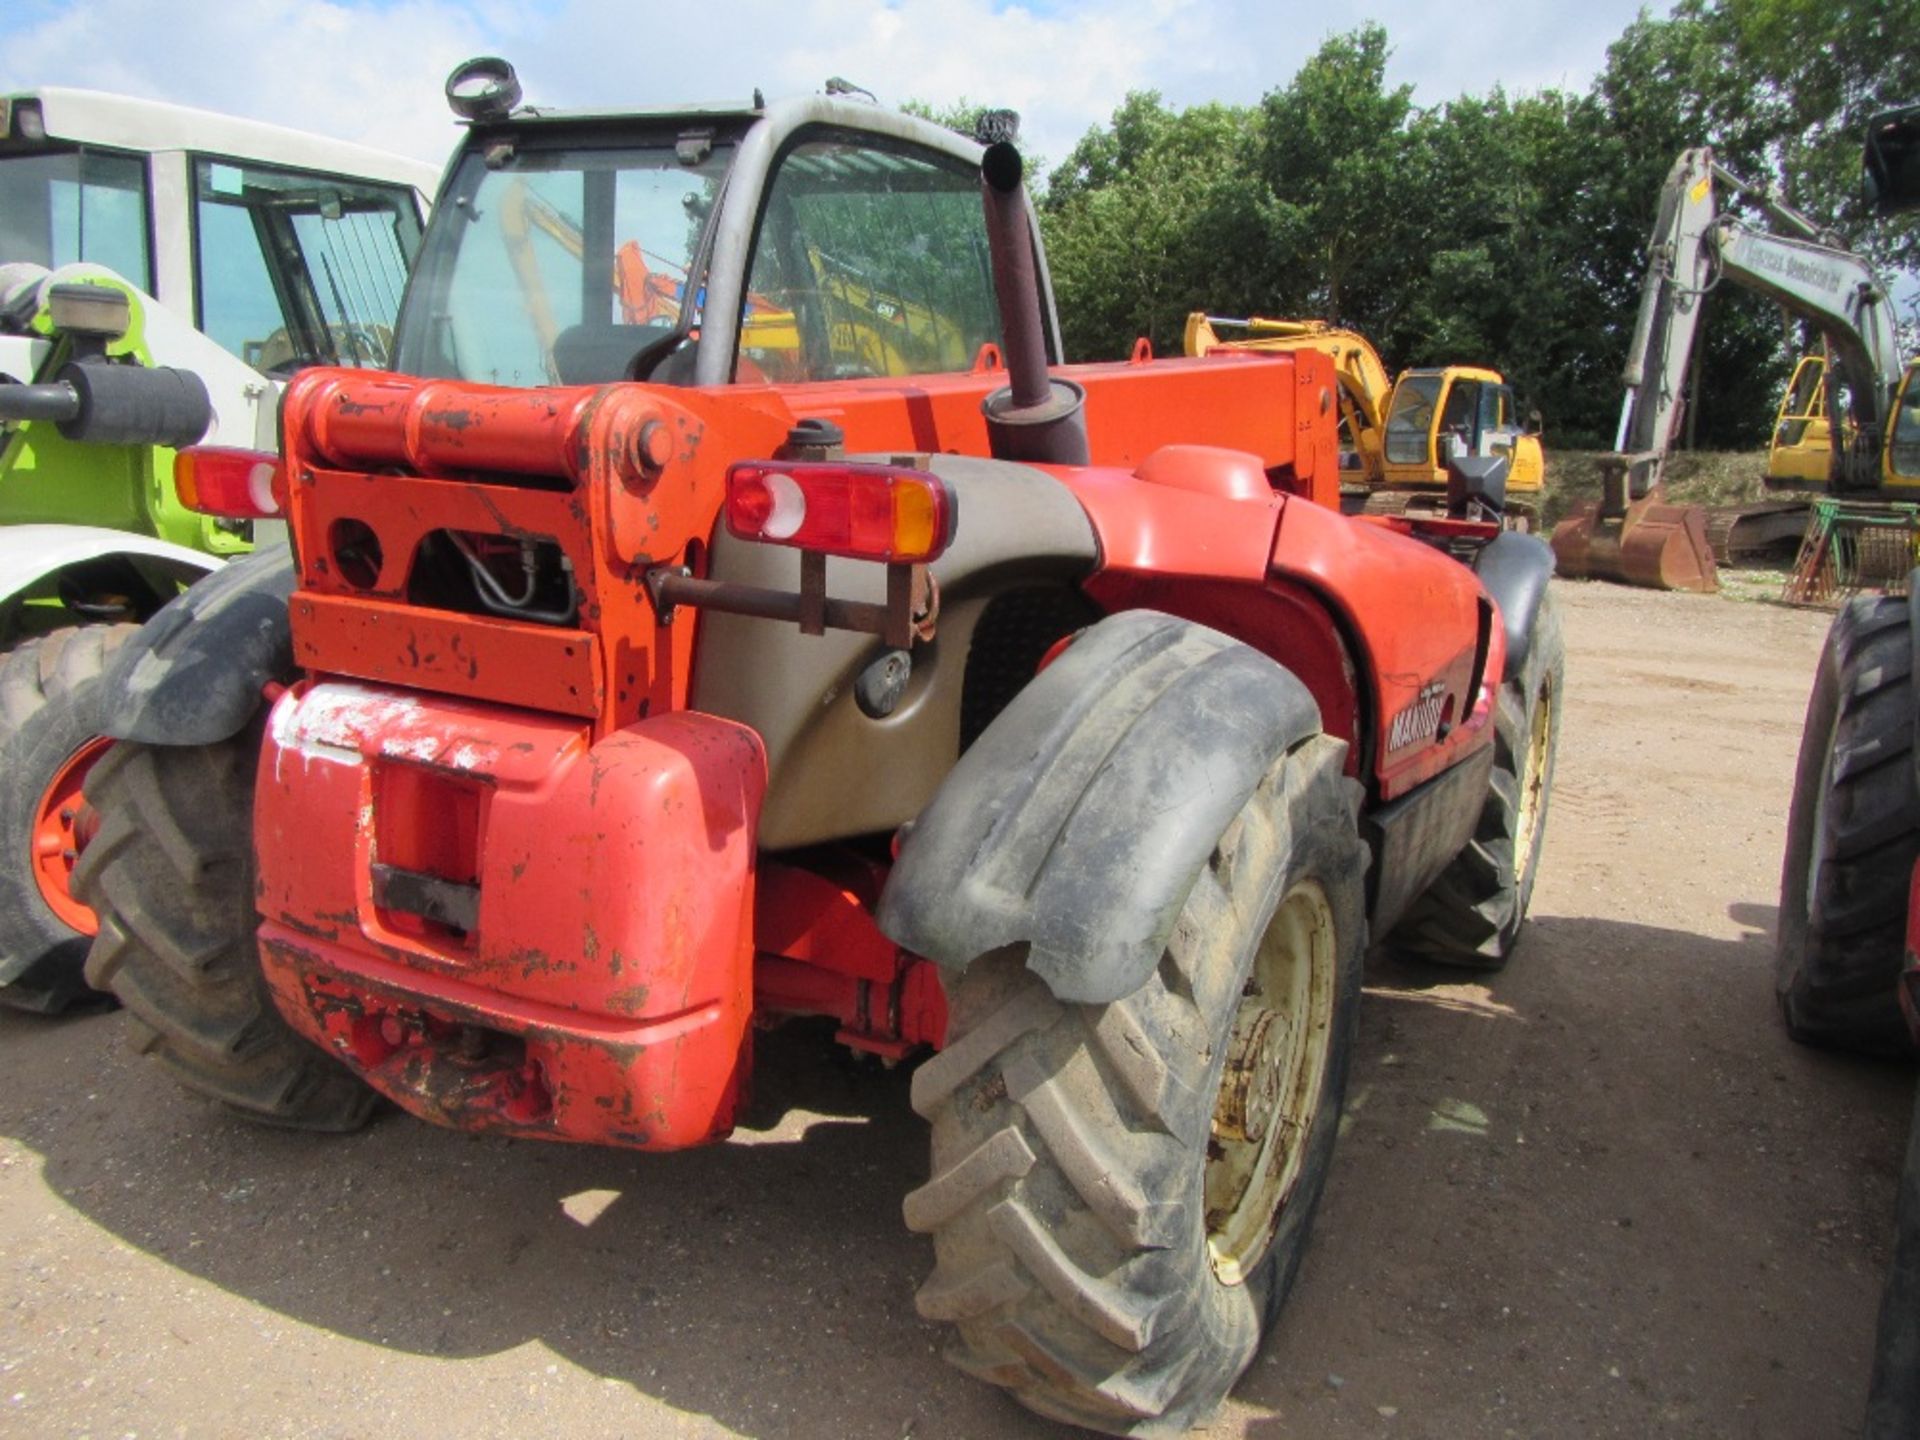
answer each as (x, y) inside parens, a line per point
(1506, 231)
(1333, 151)
(1152, 217)
(1799, 81)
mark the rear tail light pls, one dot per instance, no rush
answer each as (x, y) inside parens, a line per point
(233, 484)
(864, 512)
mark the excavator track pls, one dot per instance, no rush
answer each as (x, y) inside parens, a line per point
(1770, 530)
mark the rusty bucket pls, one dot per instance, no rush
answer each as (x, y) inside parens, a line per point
(1643, 541)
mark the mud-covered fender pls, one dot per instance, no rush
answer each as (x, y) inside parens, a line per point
(193, 675)
(1515, 569)
(1080, 819)
(31, 553)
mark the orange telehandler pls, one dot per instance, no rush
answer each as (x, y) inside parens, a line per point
(1045, 724)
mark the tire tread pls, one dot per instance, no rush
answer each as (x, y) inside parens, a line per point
(172, 882)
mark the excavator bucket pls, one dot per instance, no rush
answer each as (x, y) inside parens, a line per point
(1644, 541)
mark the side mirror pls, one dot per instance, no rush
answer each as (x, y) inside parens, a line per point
(1535, 425)
(1892, 160)
(1477, 487)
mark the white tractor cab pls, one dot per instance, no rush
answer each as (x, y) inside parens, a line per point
(220, 256)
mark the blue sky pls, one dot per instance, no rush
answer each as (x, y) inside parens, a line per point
(371, 70)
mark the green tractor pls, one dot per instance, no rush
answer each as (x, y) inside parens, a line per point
(162, 272)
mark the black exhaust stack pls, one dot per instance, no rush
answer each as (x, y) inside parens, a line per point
(1036, 417)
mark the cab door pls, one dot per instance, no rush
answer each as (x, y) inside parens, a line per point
(1501, 433)
(1802, 446)
(1460, 430)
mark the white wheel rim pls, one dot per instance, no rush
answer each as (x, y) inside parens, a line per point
(1533, 786)
(1270, 1090)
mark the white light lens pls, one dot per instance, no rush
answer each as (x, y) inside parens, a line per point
(789, 510)
(260, 488)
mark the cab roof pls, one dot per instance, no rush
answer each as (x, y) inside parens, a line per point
(121, 122)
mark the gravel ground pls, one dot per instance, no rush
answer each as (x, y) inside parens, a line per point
(1599, 1194)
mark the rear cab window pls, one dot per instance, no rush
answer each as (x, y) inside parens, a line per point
(574, 262)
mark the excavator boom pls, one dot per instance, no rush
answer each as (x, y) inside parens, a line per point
(1631, 534)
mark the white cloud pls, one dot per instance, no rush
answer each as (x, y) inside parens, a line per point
(366, 76)
(373, 72)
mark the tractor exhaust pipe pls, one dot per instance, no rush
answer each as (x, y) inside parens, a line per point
(1036, 417)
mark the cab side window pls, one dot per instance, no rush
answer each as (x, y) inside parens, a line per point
(1496, 409)
(868, 261)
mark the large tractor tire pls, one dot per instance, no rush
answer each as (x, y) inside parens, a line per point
(171, 876)
(48, 749)
(1852, 835)
(1471, 916)
(1120, 1193)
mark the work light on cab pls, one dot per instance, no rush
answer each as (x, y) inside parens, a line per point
(230, 483)
(863, 512)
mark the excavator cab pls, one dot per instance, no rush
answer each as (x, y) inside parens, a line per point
(1902, 451)
(1802, 449)
(1458, 412)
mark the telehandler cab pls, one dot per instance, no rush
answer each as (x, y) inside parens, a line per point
(1050, 719)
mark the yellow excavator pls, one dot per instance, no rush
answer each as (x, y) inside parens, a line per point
(1632, 535)
(1397, 435)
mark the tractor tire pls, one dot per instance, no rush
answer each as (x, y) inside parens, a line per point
(171, 877)
(47, 749)
(1101, 1251)
(1853, 833)
(1471, 916)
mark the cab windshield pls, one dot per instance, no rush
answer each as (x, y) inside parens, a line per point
(1410, 421)
(560, 265)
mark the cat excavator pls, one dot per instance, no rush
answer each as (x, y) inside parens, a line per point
(1398, 434)
(1631, 534)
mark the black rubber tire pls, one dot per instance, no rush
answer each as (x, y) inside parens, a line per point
(1066, 1202)
(1471, 916)
(47, 713)
(171, 877)
(1855, 823)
